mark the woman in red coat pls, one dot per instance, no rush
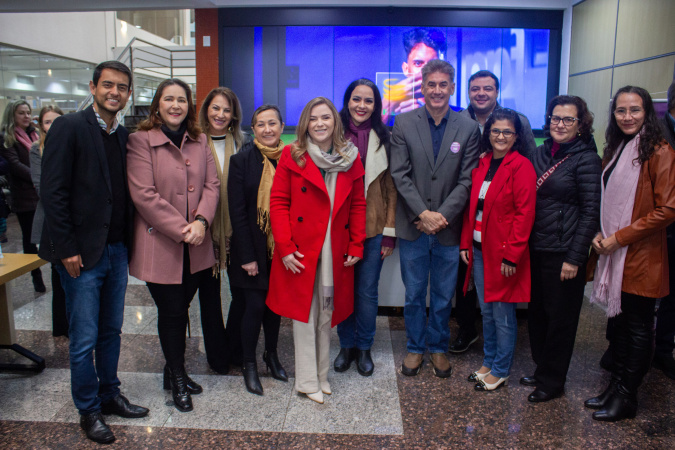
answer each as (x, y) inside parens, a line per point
(318, 215)
(496, 229)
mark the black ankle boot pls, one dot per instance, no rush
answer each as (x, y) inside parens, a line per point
(274, 366)
(344, 359)
(38, 284)
(179, 390)
(621, 405)
(250, 372)
(364, 363)
(192, 385)
(601, 400)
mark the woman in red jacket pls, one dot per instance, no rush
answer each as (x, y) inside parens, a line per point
(496, 229)
(318, 215)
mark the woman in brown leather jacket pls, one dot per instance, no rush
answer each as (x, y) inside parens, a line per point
(638, 202)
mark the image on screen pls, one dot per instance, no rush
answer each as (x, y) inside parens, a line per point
(289, 66)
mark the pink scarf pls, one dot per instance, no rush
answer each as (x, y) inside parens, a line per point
(616, 212)
(24, 138)
(359, 137)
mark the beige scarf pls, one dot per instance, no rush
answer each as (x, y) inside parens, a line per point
(221, 228)
(264, 190)
(331, 164)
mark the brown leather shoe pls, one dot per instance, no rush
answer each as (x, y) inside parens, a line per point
(412, 364)
(442, 367)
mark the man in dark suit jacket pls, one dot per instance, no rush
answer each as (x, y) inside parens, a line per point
(433, 151)
(483, 94)
(88, 223)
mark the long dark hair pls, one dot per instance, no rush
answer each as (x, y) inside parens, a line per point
(155, 121)
(650, 134)
(235, 106)
(585, 116)
(502, 114)
(375, 119)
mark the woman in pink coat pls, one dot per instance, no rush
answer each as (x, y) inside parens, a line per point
(495, 233)
(174, 186)
(318, 215)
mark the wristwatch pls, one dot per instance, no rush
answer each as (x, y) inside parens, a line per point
(203, 221)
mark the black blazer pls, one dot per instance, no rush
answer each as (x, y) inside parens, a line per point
(248, 242)
(75, 189)
(24, 195)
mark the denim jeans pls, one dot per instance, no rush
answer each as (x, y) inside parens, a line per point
(358, 330)
(500, 328)
(95, 309)
(426, 262)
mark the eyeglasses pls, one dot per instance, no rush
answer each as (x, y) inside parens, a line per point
(623, 112)
(507, 133)
(567, 121)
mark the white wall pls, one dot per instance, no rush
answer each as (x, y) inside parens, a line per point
(87, 36)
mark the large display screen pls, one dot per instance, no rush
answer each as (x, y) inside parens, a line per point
(289, 66)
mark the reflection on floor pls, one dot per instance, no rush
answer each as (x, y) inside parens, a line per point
(387, 410)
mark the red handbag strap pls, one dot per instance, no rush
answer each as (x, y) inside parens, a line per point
(549, 172)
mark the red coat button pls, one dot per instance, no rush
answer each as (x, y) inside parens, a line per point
(191, 188)
(187, 162)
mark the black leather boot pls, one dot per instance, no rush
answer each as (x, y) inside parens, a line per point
(344, 359)
(250, 372)
(193, 387)
(179, 390)
(638, 336)
(364, 363)
(600, 401)
(38, 284)
(274, 366)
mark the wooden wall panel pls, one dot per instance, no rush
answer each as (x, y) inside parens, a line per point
(645, 28)
(654, 75)
(596, 89)
(593, 30)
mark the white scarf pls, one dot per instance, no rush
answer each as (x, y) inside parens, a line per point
(332, 164)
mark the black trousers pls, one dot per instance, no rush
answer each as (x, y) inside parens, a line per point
(26, 224)
(233, 327)
(173, 302)
(257, 314)
(553, 317)
(213, 327)
(465, 310)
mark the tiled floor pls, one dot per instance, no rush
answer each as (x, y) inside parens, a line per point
(387, 410)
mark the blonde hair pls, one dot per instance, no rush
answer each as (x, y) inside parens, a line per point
(43, 133)
(8, 125)
(299, 147)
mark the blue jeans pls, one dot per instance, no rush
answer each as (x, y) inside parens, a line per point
(500, 328)
(95, 308)
(358, 330)
(424, 262)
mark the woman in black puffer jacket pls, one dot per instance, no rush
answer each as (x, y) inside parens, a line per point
(567, 218)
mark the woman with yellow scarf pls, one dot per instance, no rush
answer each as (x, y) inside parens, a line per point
(248, 186)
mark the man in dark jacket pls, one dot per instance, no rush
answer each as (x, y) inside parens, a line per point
(665, 319)
(88, 218)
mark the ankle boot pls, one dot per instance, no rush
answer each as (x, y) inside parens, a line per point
(621, 405)
(38, 284)
(273, 365)
(192, 385)
(179, 390)
(250, 372)
(364, 363)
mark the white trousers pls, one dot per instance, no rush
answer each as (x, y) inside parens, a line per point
(312, 345)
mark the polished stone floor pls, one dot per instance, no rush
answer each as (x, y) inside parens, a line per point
(387, 410)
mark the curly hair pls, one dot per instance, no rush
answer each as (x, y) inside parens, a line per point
(375, 118)
(155, 121)
(650, 134)
(502, 114)
(299, 147)
(584, 115)
(235, 106)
